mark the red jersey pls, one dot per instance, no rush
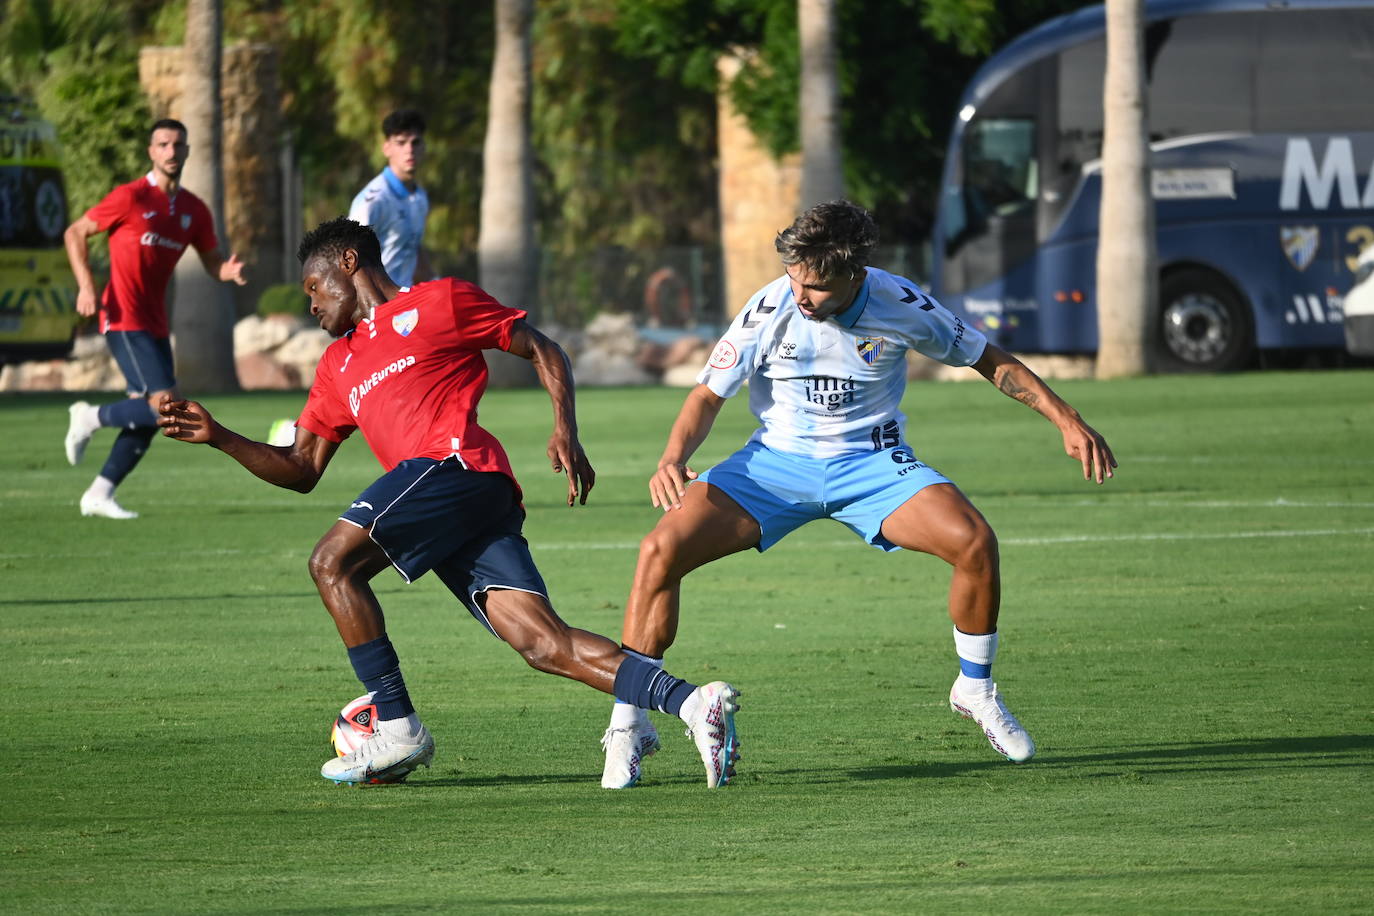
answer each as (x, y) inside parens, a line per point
(411, 375)
(148, 233)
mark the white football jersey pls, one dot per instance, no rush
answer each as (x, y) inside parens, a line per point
(398, 216)
(827, 388)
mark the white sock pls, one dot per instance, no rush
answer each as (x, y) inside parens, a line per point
(623, 715)
(406, 728)
(101, 488)
(689, 706)
(980, 649)
(974, 687)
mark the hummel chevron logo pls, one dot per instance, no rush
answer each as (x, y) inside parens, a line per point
(912, 295)
(750, 321)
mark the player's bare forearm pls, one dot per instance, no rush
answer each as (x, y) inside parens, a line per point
(668, 484)
(554, 369)
(1015, 379)
(692, 426)
(1081, 442)
(76, 241)
(297, 467)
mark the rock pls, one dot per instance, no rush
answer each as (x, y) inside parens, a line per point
(683, 375)
(259, 371)
(598, 367)
(302, 352)
(256, 334)
(688, 350)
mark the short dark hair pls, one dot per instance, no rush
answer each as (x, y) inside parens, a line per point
(403, 121)
(167, 124)
(333, 237)
(830, 239)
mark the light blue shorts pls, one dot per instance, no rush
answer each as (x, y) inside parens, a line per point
(783, 492)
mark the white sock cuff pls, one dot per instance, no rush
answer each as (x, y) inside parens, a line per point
(979, 649)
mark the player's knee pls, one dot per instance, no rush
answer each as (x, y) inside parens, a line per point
(326, 564)
(658, 555)
(544, 650)
(979, 549)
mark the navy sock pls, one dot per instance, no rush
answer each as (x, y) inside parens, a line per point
(127, 452)
(130, 413)
(650, 687)
(379, 669)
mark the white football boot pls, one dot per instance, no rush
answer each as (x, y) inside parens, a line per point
(712, 727)
(381, 759)
(626, 749)
(1004, 732)
(78, 433)
(104, 506)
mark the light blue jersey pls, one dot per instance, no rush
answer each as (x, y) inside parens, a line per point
(397, 214)
(822, 389)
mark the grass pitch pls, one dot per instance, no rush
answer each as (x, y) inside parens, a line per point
(1190, 645)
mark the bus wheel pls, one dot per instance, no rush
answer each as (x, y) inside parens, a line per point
(1204, 325)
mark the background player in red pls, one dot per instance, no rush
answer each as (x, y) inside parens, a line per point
(151, 220)
(408, 371)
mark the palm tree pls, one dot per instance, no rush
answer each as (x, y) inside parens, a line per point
(505, 242)
(819, 104)
(1126, 280)
(203, 313)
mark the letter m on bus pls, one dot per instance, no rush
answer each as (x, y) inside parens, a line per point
(1336, 172)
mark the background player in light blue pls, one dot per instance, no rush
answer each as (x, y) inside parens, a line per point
(394, 204)
(823, 349)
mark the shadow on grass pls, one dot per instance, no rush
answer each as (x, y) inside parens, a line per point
(1184, 757)
(1330, 751)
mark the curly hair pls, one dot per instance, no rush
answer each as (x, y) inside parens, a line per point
(332, 238)
(830, 239)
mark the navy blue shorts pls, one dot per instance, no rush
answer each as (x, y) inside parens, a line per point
(465, 525)
(145, 360)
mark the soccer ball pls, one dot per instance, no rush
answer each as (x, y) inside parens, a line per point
(282, 433)
(354, 725)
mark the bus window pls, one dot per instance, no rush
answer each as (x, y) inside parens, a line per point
(999, 166)
(1313, 72)
(1202, 77)
(1079, 137)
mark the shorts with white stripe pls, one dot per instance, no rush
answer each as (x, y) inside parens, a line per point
(465, 525)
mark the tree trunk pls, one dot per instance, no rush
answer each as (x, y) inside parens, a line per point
(505, 243)
(1126, 276)
(819, 104)
(203, 313)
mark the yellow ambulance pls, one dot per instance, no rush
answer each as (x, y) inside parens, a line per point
(37, 291)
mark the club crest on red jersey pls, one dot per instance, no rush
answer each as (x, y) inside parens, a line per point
(870, 348)
(405, 322)
(185, 221)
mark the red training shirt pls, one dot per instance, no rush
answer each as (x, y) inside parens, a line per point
(148, 233)
(411, 375)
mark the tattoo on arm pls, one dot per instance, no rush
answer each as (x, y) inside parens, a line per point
(1009, 386)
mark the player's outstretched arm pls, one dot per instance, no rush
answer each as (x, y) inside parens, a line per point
(668, 484)
(555, 374)
(1015, 379)
(296, 467)
(230, 271)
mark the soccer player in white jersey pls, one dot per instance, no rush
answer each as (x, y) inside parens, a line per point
(394, 204)
(823, 349)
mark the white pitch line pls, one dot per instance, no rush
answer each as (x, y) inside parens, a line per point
(633, 545)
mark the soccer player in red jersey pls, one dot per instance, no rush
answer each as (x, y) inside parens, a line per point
(151, 220)
(408, 371)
